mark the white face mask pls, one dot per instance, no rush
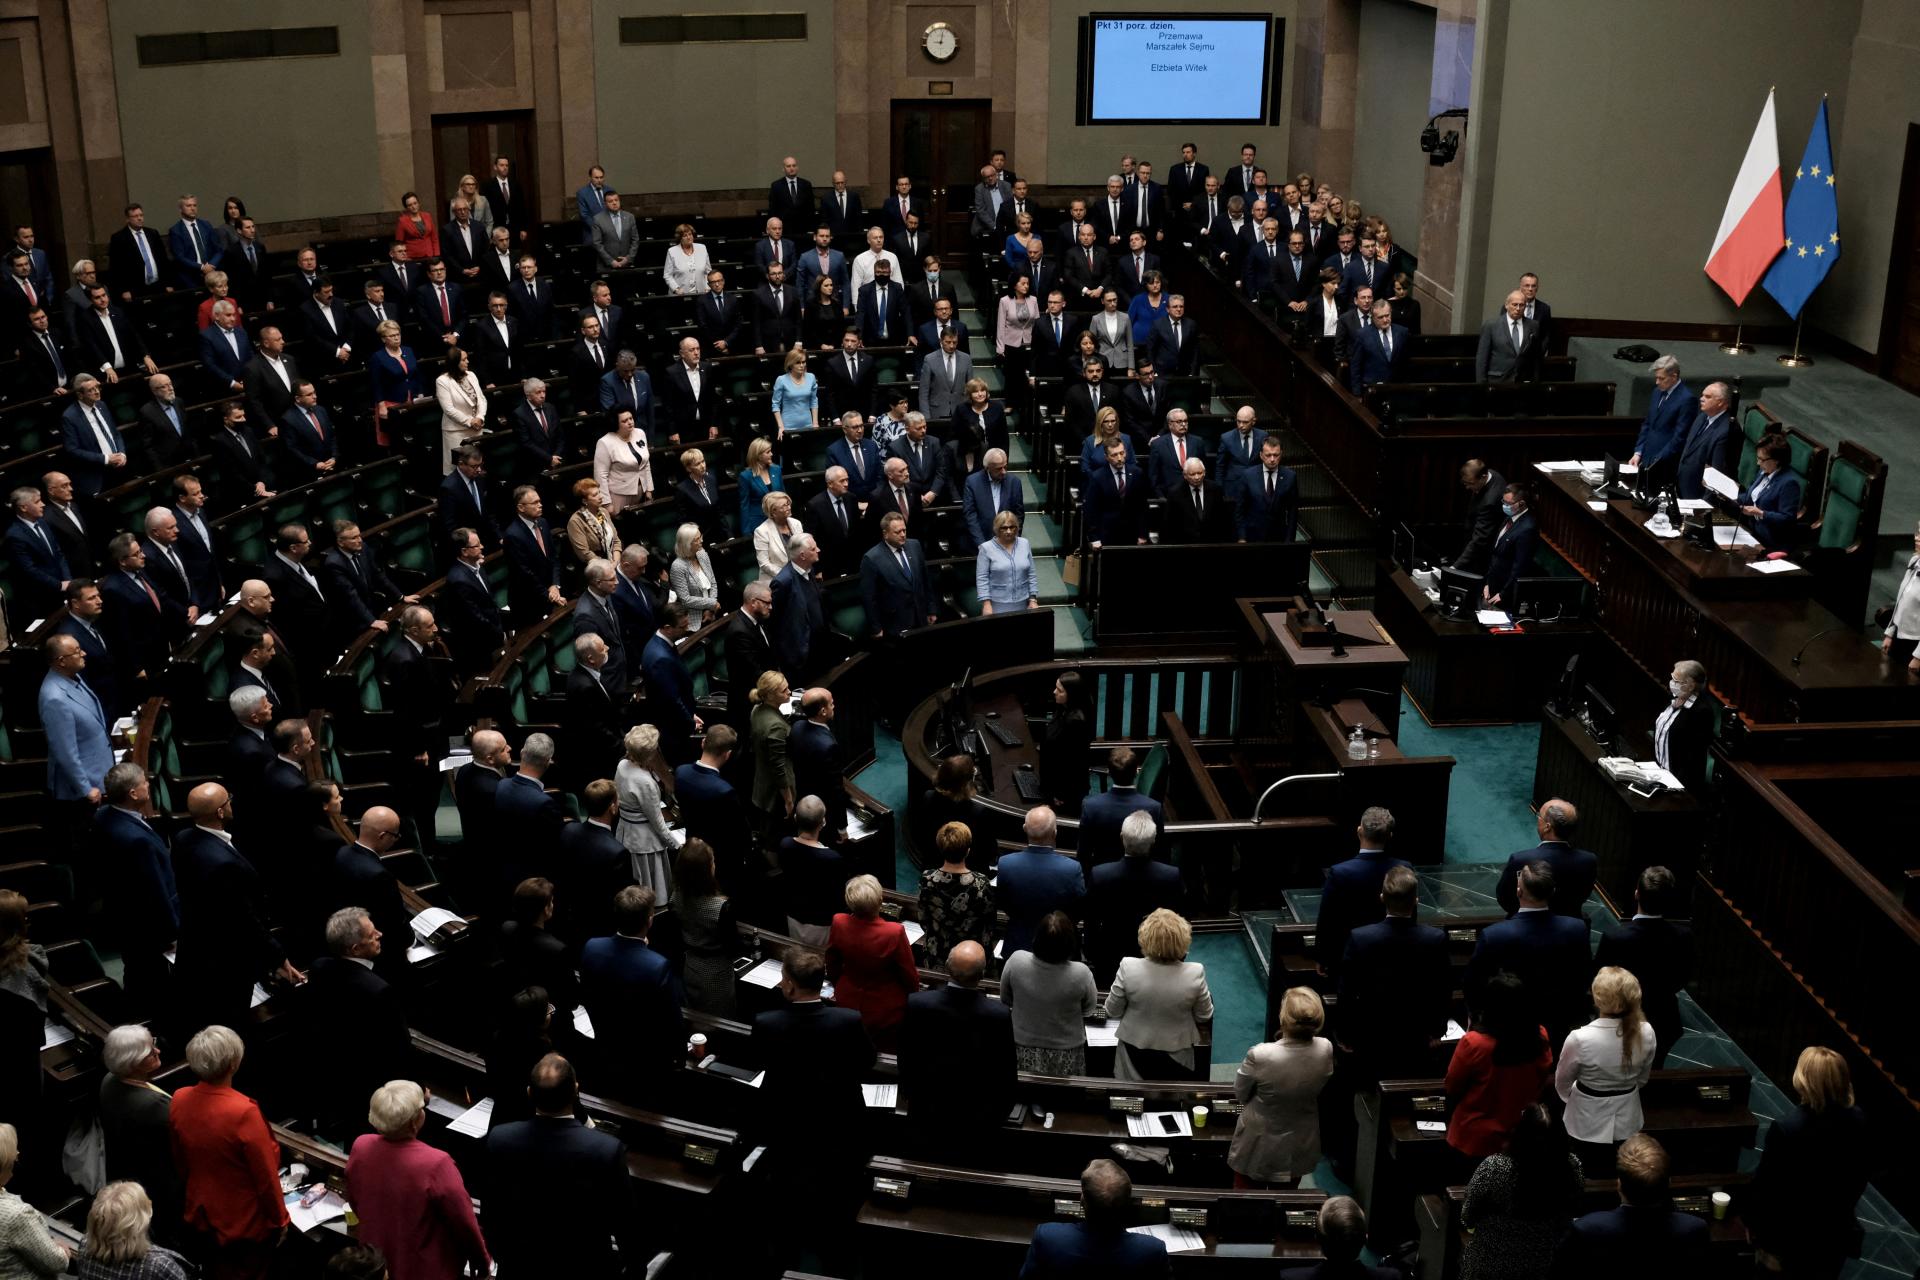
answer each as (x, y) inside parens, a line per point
(1677, 689)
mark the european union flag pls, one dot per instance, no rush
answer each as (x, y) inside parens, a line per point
(1812, 223)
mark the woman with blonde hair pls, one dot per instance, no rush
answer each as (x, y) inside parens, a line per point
(229, 1161)
(1602, 1066)
(119, 1245)
(759, 476)
(870, 962)
(590, 534)
(796, 395)
(1005, 578)
(691, 575)
(687, 263)
(27, 1247)
(771, 536)
(623, 465)
(1106, 429)
(1799, 1209)
(640, 781)
(219, 288)
(1162, 1003)
(479, 210)
(1279, 1084)
(773, 784)
(393, 376)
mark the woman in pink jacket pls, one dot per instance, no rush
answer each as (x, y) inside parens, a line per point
(412, 1205)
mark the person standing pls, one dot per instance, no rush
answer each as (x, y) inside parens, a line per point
(412, 1203)
(229, 1163)
(1279, 1084)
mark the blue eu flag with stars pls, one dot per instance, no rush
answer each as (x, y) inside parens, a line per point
(1813, 225)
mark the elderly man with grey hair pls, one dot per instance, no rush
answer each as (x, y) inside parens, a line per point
(593, 718)
(1038, 880)
(1664, 429)
(360, 1039)
(136, 870)
(249, 749)
(133, 1123)
(596, 613)
(225, 348)
(1122, 893)
(527, 826)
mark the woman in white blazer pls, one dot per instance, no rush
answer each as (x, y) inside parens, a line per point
(687, 263)
(622, 465)
(463, 407)
(770, 536)
(1162, 1002)
(1112, 333)
(691, 576)
(1602, 1066)
(1279, 1084)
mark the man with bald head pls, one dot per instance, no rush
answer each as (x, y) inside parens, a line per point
(1510, 345)
(956, 1033)
(256, 602)
(1573, 867)
(357, 878)
(225, 943)
(1710, 441)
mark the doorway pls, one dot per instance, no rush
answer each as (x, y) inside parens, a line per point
(28, 194)
(468, 144)
(941, 146)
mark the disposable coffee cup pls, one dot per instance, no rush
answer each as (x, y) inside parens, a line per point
(697, 1046)
(1199, 1117)
(1721, 1202)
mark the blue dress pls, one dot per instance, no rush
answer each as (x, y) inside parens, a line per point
(1006, 578)
(753, 492)
(794, 406)
(1144, 316)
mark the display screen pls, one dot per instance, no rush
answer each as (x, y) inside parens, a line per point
(1176, 68)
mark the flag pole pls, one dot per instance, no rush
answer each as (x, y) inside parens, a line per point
(1796, 360)
(1737, 347)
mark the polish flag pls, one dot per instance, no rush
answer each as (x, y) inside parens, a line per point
(1753, 229)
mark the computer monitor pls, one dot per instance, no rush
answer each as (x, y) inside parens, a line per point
(1460, 591)
(1550, 599)
(1406, 547)
(1566, 689)
(1599, 716)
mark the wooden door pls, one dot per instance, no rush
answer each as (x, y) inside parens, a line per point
(29, 196)
(941, 146)
(468, 144)
(1900, 318)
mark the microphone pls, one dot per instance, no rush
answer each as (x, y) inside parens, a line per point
(1827, 631)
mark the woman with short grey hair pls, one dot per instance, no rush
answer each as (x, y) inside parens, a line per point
(118, 1244)
(133, 1122)
(411, 1201)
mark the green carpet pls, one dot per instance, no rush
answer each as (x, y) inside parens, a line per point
(1489, 801)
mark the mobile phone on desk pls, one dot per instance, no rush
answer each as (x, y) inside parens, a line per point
(1169, 1125)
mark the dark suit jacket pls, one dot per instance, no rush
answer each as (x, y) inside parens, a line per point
(530, 570)
(1101, 816)
(868, 310)
(470, 618)
(714, 812)
(669, 694)
(496, 362)
(536, 312)
(893, 603)
(269, 400)
(1659, 952)
(299, 611)
(44, 376)
(572, 1197)
(1549, 954)
(42, 567)
(977, 504)
(218, 358)
(202, 561)
(708, 513)
(845, 218)
(457, 510)
(950, 1033)
(776, 328)
(1396, 984)
(1716, 446)
(357, 878)
(1033, 883)
(688, 415)
(137, 872)
(1573, 872)
(592, 867)
(863, 480)
(1050, 357)
(841, 391)
(927, 474)
(748, 648)
(819, 769)
(787, 206)
(225, 943)
(814, 1055)
(839, 547)
(1174, 358)
(1120, 894)
(1077, 274)
(1654, 1242)
(417, 693)
(174, 585)
(526, 826)
(100, 673)
(1181, 525)
(349, 1067)
(241, 463)
(1369, 364)
(86, 464)
(591, 723)
(1512, 557)
(1484, 519)
(1076, 1251)
(357, 587)
(1111, 515)
(136, 631)
(718, 322)
(164, 445)
(1350, 899)
(126, 272)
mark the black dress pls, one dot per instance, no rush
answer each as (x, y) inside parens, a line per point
(1063, 760)
(936, 811)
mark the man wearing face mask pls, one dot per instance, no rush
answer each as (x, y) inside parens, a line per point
(1513, 548)
(929, 289)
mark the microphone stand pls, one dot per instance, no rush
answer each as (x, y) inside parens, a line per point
(1826, 631)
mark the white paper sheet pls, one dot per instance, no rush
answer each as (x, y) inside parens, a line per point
(1103, 1035)
(1493, 618)
(1773, 566)
(1720, 482)
(857, 828)
(1627, 468)
(55, 1034)
(914, 931)
(421, 951)
(325, 1209)
(1596, 506)
(765, 974)
(1690, 505)
(260, 996)
(1147, 1125)
(1571, 464)
(885, 1096)
(1454, 1031)
(1732, 535)
(455, 761)
(433, 918)
(475, 1120)
(582, 1023)
(1651, 771)
(1177, 1239)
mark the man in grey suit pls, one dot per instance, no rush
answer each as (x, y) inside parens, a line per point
(616, 236)
(988, 194)
(1509, 345)
(943, 379)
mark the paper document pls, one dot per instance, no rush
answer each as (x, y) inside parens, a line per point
(1732, 535)
(421, 951)
(857, 828)
(1596, 506)
(206, 620)
(446, 1108)
(1629, 469)
(455, 761)
(1147, 1125)
(582, 1023)
(55, 1034)
(475, 1120)
(307, 1217)
(1650, 771)
(1596, 464)
(1177, 1239)
(1773, 566)
(260, 996)
(1720, 482)
(886, 1096)
(1493, 618)
(765, 974)
(914, 931)
(1690, 505)
(433, 919)
(1454, 1032)
(1548, 468)
(1104, 1034)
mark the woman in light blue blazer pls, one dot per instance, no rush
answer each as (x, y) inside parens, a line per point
(1003, 576)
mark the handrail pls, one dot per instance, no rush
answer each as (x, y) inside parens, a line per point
(1261, 803)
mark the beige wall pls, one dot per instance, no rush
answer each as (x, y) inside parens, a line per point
(697, 117)
(294, 137)
(1390, 109)
(1618, 141)
(1085, 156)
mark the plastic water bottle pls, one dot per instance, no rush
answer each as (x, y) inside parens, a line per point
(1357, 745)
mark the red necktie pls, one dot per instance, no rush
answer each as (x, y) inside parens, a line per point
(145, 586)
(539, 539)
(33, 299)
(1180, 447)
(901, 494)
(1120, 482)
(318, 430)
(446, 316)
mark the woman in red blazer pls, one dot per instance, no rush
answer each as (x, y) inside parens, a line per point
(870, 962)
(416, 230)
(228, 1162)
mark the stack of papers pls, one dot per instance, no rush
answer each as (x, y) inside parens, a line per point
(421, 951)
(1732, 535)
(1104, 1034)
(886, 1096)
(260, 996)
(431, 921)
(55, 1034)
(1773, 566)
(1593, 505)
(1493, 618)
(582, 1023)
(1454, 1031)
(1177, 1239)
(1147, 1125)
(327, 1208)
(1548, 468)
(914, 931)
(765, 974)
(475, 1120)
(857, 828)
(1690, 505)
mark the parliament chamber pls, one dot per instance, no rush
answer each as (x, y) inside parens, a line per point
(967, 725)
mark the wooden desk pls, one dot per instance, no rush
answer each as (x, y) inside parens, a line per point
(1413, 787)
(1298, 673)
(1628, 833)
(1459, 672)
(1662, 602)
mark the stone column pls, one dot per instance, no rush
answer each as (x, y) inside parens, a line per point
(1326, 49)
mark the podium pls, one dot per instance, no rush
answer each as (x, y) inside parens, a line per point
(1302, 654)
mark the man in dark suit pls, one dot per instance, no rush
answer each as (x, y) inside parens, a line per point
(1169, 453)
(1513, 547)
(531, 300)
(358, 878)
(41, 568)
(300, 604)
(1116, 502)
(847, 379)
(138, 618)
(527, 820)
(939, 318)
(355, 584)
(1669, 411)
(1085, 400)
(833, 519)
(1132, 266)
(1038, 880)
(690, 395)
(1232, 243)
(374, 311)
(439, 306)
(819, 762)
(1289, 277)
(479, 878)
(928, 477)
(790, 196)
(137, 261)
(592, 720)
(533, 560)
(802, 642)
(83, 623)
(168, 572)
(348, 988)
(536, 429)
(711, 808)
(1102, 814)
(1656, 950)
(1085, 273)
(496, 343)
(246, 476)
(1711, 441)
(987, 493)
(1100, 1244)
(858, 456)
(776, 313)
(1484, 516)
(900, 206)
(881, 309)
(308, 431)
(270, 380)
(1573, 868)
(1197, 511)
(1396, 983)
(1056, 334)
(463, 498)
(594, 613)
(417, 691)
(507, 197)
(197, 545)
(893, 582)
(958, 1032)
(96, 453)
(569, 1186)
(1547, 952)
(1509, 349)
(748, 648)
(51, 365)
(225, 943)
(593, 867)
(669, 686)
(1646, 1234)
(249, 749)
(225, 350)
(328, 325)
(718, 316)
(463, 244)
(773, 248)
(1174, 347)
(1144, 407)
(1351, 895)
(474, 626)
(72, 528)
(497, 272)
(840, 210)
(1187, 179)
(912, 243)
(631, 993)
(169, 440)
(636, 604)
(1124, 890)
(1380, 354)
(1537, 310)
(926, 288)
(136, 872)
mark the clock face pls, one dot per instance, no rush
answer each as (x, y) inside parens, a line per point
(940, 42)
